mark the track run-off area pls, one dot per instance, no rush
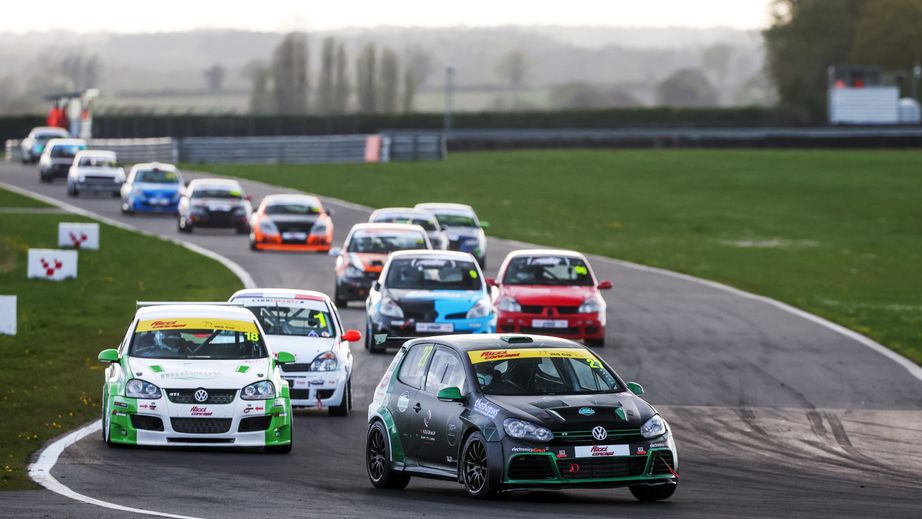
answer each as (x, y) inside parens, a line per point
(775, 412)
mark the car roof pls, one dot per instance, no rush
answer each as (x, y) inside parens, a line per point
(546, 252)
(291, 198)
(387, 227)
(49, 129)
(154, 165)
(96, 153)
(485, 341)
(225, 182)
(430, 253)
(431, 206)
(286, 293)
(172, 311)
(401, 210)
(66, 142)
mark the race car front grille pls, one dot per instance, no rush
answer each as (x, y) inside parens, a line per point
(146, 423)
(200, 440)
(254, 423)
(613, 467)
(548, 310)
(288, 368)
(299, 394)
(584, 437)
(530, 467)
(304, 227)
(215, 396)
(419, 311)
(458, 315)
(662, 463)
(97, 179)
(325, 393)
(201, 425)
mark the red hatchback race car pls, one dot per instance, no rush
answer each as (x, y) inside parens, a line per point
(550, 292)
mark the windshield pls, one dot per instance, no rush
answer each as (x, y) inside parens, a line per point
(547, 371)
(216, 192)
(429, 224)
(285, 320)
(292, 209)
(456, 220)
(433, 274)
(65, 151)
(45, 137)
(98, 162)
(549, 271)
(197, 338)
(386, 242)
(157, 176)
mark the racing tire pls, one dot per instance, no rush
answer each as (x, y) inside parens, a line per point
(595, 343)
(253, 245)
(43, 178)
(650, 493)
(105, 421)
(184, 226)
(341, 302)
(475, 468)
(282, 449)
(378, 462)
(116, 194)
(343, 408)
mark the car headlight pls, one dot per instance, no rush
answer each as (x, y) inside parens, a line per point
(137, 193)
(353, 272)
(262, 390)
(390, 308)
(239, 209)
(509, 304)
(653, 427)
(267, 227)
(326, 361)
(591, 305)
(81, 178)
(526, 430)
(137, 388)
(483, 308)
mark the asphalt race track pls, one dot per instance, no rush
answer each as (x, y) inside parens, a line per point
(774, 415)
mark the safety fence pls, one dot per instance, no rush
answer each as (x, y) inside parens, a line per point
(269, 150)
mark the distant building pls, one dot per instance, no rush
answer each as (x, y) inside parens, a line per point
(858, 95)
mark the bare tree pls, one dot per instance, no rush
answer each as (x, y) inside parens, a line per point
(261, 100)
(214, 77)
(421, 63)
(326, 84)
(289, 74)
(341, 85)
(81, 69)
(409, 89)
(389, 82)
(513, 68)
(366, 79)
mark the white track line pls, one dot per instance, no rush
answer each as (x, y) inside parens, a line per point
(40, 469)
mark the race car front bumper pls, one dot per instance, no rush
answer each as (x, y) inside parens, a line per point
(313, 243)
(153, 204)
(256, 423)
(220, 219)
(572, 326)
(316, 389)
(99, 186)
(410, 328)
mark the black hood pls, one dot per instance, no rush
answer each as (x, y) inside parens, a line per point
(611, 410)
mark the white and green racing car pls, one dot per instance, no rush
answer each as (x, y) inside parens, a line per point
(196, 375)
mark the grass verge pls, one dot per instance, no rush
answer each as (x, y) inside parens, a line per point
(837, 233)
(50, 381)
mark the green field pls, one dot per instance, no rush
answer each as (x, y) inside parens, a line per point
(50, 381)
(837, 233)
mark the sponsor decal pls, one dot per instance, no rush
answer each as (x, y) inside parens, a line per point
(533, 450)
(316, 382)
(151, 406)
(427, 435)
(599, 433)
(602, 451)
(196, 324)
(403, 402)
(119, 404)
(574, 468)
(253, 409)
(658, 445)
(427, 418)
(200, 395)
(562, 453)
(191, 375)
(200, 411)
(452, 431)
(586, 411)
(484, 407)
(479, 356)
(641, 451)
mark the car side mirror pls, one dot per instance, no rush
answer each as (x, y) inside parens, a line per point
(635, 388)
(484, 225)
(329, 211)
(110, 355)
(335, 251)
(283, 357)
(605, 285)
(450, 394)
(352, 336)
(248, 198)
(492, 282)
(376, 286)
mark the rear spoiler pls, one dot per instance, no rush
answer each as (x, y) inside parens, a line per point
(141, 304)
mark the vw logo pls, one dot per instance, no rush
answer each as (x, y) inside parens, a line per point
(599, 433)
(202, 396)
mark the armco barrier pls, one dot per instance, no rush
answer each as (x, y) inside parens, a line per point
(129, 151)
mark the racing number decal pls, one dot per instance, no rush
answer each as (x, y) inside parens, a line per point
(594, 364)
(252, 336)
(322, 318)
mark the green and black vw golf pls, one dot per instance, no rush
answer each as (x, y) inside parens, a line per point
(513, 412)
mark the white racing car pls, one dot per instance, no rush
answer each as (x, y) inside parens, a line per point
(306, 324)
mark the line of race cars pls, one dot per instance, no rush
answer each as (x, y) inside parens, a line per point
(525, 408)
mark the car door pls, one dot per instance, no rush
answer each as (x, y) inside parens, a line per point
(403, 404)
(439, 423)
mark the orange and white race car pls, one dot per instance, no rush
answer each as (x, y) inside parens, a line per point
(359, 262)
(292, 223)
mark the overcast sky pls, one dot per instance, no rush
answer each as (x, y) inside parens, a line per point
(283, 15)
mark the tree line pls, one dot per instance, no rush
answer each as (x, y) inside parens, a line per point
(376, 78)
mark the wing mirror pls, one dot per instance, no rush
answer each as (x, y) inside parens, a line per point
(376, 286)
(605, 285)
(110, 355)
(335, 251)
(492, 282)
(352, 336)
(283, 357)
(484, 225)
(635, 388)
(329, 211)
(450, 394)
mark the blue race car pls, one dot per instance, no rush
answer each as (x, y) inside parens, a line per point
(152, 188)
(427, 292)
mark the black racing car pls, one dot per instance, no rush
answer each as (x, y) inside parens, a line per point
(511, 412)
